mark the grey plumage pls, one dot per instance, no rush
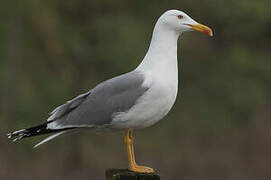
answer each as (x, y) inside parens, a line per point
(64, 109)
(92, 109)
(96, 107)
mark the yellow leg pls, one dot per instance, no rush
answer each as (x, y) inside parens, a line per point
(132, 166)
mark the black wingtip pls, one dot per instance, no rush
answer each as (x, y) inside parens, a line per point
(33, 131)
(17, 135)
(9, 135)
(23, 133)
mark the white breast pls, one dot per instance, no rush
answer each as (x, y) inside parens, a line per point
(154, 104)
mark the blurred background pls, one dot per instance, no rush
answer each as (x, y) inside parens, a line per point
(219, 128)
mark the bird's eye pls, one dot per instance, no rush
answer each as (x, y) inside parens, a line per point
(180, 16)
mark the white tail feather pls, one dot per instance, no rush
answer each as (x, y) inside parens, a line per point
(49, 138)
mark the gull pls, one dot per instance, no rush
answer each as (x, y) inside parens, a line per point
(131, 101)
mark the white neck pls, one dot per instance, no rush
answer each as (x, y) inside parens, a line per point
(162, 52)
(161, 57)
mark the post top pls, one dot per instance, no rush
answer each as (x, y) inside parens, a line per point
(125, 174)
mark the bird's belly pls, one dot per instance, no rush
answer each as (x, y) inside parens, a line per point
(150, 108)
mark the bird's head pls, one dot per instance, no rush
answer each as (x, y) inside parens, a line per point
(181, 22)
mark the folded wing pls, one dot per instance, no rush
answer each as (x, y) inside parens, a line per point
(96, 107)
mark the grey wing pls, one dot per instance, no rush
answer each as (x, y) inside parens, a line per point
(96, 107)
(64, 109)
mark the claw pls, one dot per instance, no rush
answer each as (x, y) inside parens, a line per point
(141, 169)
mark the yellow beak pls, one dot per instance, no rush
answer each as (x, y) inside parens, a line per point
(202, 28)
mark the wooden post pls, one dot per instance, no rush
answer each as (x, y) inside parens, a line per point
(124, 174)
